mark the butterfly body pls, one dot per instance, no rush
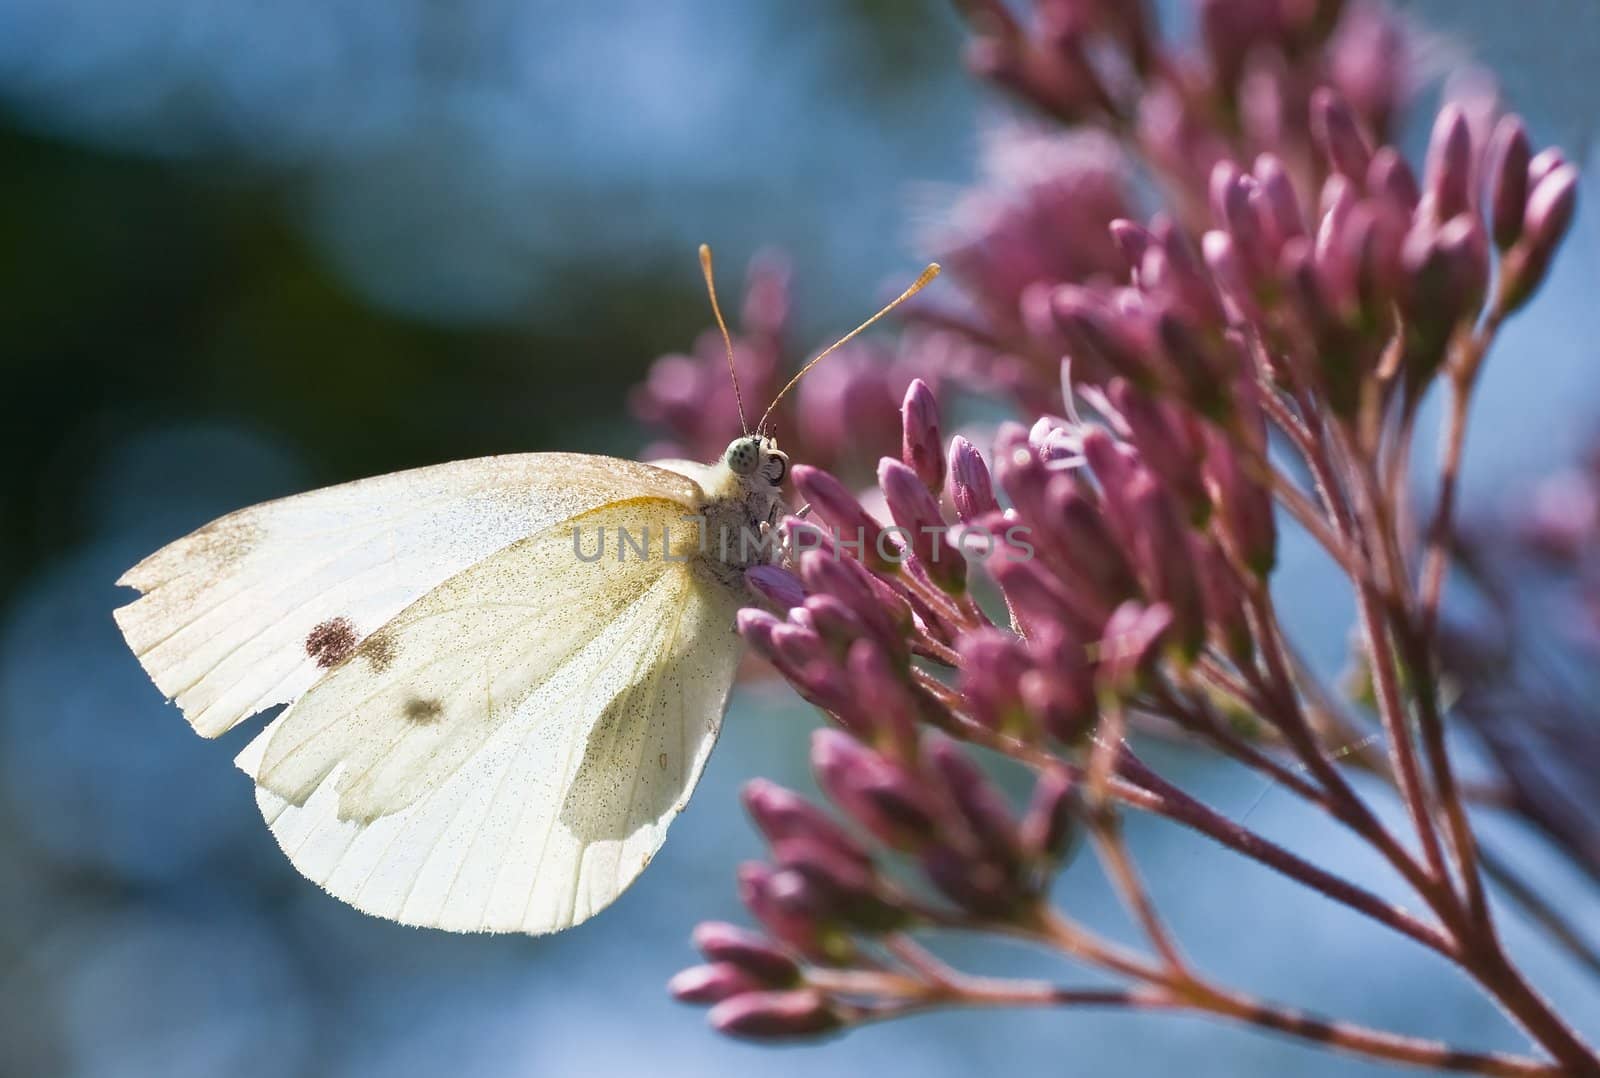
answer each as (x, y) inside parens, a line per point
(490, 725)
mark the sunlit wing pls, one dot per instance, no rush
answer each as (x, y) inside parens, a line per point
(507, 753)
(703, 474)
(250, 610)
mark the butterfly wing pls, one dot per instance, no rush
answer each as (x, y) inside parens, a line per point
(703, 474)
(507, 753)
(250, 610)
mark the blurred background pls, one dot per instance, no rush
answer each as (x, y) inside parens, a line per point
(247, 249)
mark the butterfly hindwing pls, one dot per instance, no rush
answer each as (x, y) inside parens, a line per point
(507, 752)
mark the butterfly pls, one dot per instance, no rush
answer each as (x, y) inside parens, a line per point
(492, 717)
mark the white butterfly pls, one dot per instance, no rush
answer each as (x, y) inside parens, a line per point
(487, 731)
(490, 728)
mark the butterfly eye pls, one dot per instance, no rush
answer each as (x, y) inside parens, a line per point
(776, 467)
(743, 456)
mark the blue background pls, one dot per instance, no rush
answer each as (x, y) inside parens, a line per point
(246, 249)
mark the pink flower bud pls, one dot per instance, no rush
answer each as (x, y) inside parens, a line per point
(1338, 134)
(1429, 300)
(756, 626)
(982, 808)
(883, 697)
(1095, 341)
(1224, 180)
(750, 951)
(1390, 178)
(1297, 269)
(1549, 213)
(1019, 468)
(1132, 644)
(1337, 253)
(1033, 307)
(1114, 464)
(1544, 162)
(1366, 56)
(712, 983)
(1162, 554)
(1052, 438)
(1466, 250)
(1238, 203)
(1051, 706)
(977, 884)
(892, 610)
(1179, 277)
(801, 535)
(800, 616)
(1167, 444)
(1058, 695)
(971, 490)
(1237, 285)
(1448, 176)
(1038, 599)
(1280, 204)
(1230, 31)
(1173, 279)
(758, 892)
(915, 510)
(1551, 205)
(805, 661)
(854, 530)
(1046, 829)
(1132, 240)
(797, 896)
(776, 585)
(798, 643)
(841, 889)
(835, 622)
(1224, 602)
(920, 445)
(992, 664)
(783, 814)
(799, 1012)
(1201, 373)
(1506, 172)
(1446, 274)
(878, 793)
(1245, 512)
(883, 614)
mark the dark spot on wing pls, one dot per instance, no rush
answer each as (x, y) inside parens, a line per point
(331, 642)
(423, 712)
(379, 652)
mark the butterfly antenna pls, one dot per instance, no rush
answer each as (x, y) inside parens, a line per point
(918, 285)
(727, 338)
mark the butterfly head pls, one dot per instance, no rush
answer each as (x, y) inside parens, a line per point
(757, 456)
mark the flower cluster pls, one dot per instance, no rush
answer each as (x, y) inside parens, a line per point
(826, 891)
(1244, 89)
(840, 416)
(1241, 88)
(1560, 527)
(1522, 658)
(1283, 317)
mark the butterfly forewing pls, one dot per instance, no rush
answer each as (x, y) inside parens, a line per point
(251, 610)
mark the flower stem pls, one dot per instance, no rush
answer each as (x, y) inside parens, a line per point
(1380, 654)
(1181, 990)
(1107, 832)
